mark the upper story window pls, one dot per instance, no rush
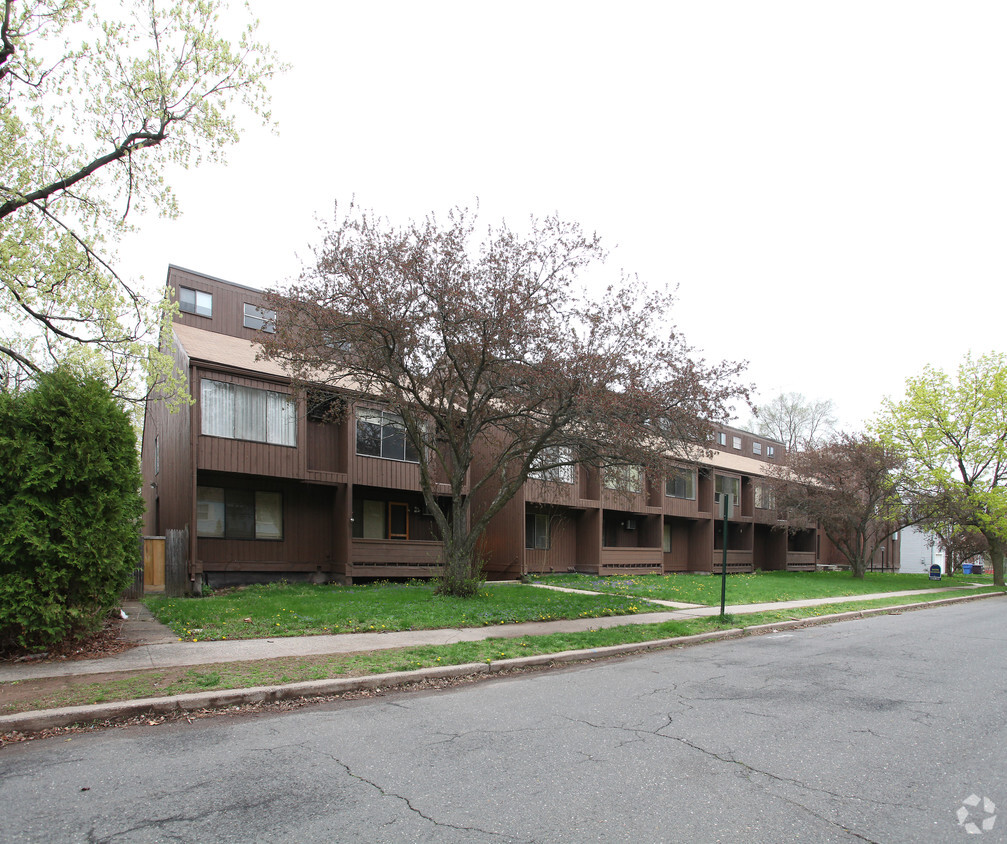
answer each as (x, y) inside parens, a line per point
(765, 498)
(195, 302)
(260, 319)
(556, 474)
(756, 448)
(770, 451)
(737, 442)
(247, 413)
(624, 478)
(721, 438)
(383, 434)
(726, 485)
(681, 484)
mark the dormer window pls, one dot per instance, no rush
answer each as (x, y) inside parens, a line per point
(195, 302)
(260, 319)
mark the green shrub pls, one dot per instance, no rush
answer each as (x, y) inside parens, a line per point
(70, 509)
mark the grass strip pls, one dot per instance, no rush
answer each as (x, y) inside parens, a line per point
(754, 588)
(256, 612)
(81, 690)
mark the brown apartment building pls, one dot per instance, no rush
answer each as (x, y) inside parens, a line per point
(269, 487)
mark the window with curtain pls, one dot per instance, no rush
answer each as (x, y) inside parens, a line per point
(681, 484)
(247, 413)
(556, 474)
(226, 513)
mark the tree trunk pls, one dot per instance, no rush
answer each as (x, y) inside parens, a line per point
(462, 572)
(997, 559)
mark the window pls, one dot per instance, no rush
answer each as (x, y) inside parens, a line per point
(157, 455)
(195, 302)
(382, 434)
(247, 413)
(556, 474)
(721, 438)
(737, 442)
(681, 484)
(770, 451)
(666, 545)
(238, 513)
(765, 498)
(536, 531)
(624, 478)
(756, 448)
(261, 319)
(724, 485)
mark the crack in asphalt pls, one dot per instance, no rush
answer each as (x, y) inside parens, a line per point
(750, 769)
(408, 803)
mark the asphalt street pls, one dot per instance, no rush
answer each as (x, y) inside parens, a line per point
(881, 729)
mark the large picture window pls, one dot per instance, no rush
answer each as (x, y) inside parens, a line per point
(238, 513)
(247, 413)
(383, 434)
(624, 478)
(556, 474)
(681, 484)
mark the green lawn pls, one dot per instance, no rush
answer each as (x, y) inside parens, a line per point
(757, 588)
(75, 691)
(299, 609)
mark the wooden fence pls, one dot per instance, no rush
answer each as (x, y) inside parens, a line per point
(176, 563)
(135, 588)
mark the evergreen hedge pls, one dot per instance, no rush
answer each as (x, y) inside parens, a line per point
(70, 509)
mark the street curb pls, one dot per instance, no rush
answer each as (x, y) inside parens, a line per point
(46, 719)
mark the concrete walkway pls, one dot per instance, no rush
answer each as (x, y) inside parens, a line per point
(158, 647)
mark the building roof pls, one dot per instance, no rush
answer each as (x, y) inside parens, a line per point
(225, 350)
(738, 463)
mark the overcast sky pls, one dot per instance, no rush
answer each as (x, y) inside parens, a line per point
(825, 183)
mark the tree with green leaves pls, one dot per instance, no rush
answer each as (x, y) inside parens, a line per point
(952, 430)
(94, 108)
(70, 508)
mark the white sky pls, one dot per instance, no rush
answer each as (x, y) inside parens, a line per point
(825, 182)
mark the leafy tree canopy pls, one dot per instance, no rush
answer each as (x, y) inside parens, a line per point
(952, 430)
(490, 352)
(93, 108)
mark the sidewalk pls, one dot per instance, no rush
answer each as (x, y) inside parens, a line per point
(158, 647)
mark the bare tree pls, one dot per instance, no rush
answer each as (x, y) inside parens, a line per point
(847, 485)
(487, 348)
(795, 420)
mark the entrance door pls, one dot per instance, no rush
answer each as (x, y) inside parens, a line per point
(398, 520)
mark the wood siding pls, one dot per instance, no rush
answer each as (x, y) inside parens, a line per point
(308, 531)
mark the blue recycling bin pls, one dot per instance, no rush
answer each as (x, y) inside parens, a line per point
(966, 568)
